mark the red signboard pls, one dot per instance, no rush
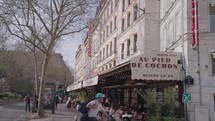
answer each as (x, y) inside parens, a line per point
(90, 38)
(195, 27)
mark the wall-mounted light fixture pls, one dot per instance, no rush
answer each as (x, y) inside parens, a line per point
(141, 9)
(206, 67)
(180, 61)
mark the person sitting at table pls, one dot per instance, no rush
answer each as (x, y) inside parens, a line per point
(115, 111)
(138, 113)
(107, 101)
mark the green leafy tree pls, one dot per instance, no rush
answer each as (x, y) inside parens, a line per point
(152, 105)
(169, 104)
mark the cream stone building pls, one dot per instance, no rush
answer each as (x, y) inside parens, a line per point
(126, 29)
(198, 62)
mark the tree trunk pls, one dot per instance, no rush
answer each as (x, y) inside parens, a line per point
(40, 112)
(36, 74)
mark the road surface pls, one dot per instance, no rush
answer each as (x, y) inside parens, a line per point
(14, 112)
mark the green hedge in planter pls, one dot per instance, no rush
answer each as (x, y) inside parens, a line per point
(169, 119)
(167, 109)
(182, 119)
(155, 118)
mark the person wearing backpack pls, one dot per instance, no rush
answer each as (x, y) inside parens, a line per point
(95, 106)
(81, 107)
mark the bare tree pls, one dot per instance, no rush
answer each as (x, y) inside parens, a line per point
(41, 23)
(58, 71)
(25, 56)
(3, 37)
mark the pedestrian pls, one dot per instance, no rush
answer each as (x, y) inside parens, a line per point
(68, 102)
(34, 100)
(77, 113)
(37, 101)
(27, 103)
(56, 100)
(95, 106)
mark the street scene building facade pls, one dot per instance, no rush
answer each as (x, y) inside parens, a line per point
(134, 46)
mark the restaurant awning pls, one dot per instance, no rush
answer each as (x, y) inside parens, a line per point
(119, 69)
(74, 87)
(90, 82)
(157, 66)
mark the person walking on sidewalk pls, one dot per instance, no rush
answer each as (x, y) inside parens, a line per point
(56, 100)
(95, 106)
(27, 103)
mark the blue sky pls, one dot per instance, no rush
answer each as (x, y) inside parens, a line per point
(68, 47)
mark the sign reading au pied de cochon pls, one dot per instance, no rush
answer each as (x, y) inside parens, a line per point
(156, 66)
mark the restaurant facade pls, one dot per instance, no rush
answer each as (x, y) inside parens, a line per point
(142, 46)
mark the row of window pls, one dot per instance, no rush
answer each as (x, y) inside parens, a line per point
(128, 47)
(108, 50)
(113, 25)
(112, 64)
(124, 3)
(109, 11)
(109, 29)
(173, 29)
(109, 65)
(135, 16)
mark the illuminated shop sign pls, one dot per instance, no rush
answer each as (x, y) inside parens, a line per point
(156, 66)
(74, 87)
(90, 82)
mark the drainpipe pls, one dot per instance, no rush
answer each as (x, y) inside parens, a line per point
(183, 59)
(198, 52)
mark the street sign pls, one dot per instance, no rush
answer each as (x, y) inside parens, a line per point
(186, 97)
(189, 80)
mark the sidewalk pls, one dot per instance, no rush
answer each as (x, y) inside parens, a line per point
(61, 114)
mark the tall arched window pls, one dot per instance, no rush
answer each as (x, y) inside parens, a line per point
(128, 47)
(135, 12)
(122, 51)
(123, 5)
(135, 43)
(111, 27)
(114, 22)
(123, 25)
(111, 47)
(128, 19)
